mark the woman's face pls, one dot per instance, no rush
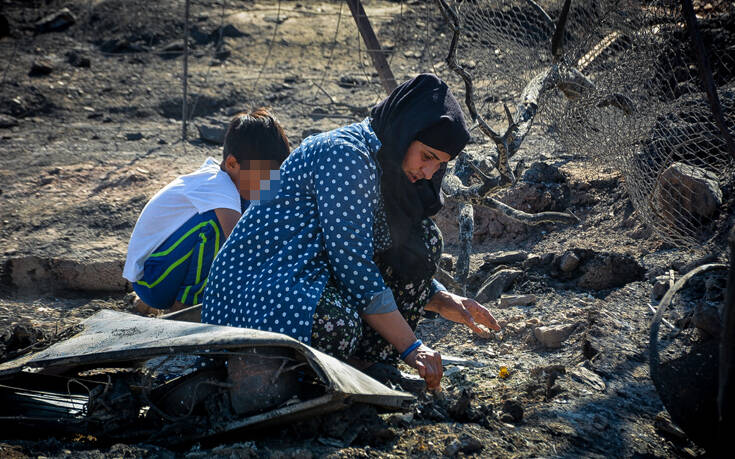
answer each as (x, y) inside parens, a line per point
(421, 161)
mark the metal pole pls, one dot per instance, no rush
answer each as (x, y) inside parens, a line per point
(184, 108)
(373, 46)
(706, 74)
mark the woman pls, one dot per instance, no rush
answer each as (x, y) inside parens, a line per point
(347, 239)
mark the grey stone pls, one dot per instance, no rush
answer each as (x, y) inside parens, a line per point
(569, 262)
(540, 172)
(134, 136)
(517, 300)
(78, 59)
(55, 22)
(610, 270)
(660, 287)
(684, 188)
(231, 31)
(212, 133)
(552, 336)
(7, 121)
(446, 262)
(41, 66)
(496, 284)
(512, 411)
(707, 318)
(504, 258)
(471, 444)
(453, 448)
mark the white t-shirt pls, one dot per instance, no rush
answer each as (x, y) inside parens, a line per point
(206, 189)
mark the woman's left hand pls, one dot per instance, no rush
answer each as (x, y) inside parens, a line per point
(464, 311)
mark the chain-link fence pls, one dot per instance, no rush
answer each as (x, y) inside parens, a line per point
(629, 92)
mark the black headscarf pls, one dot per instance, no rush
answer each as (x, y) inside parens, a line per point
(425, 107)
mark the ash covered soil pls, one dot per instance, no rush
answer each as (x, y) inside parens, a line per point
(91, 129)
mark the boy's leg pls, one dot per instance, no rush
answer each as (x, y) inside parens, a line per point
(177, 271)
(411, 298)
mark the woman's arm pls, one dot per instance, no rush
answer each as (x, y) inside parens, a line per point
(464, 311)
(394, 328)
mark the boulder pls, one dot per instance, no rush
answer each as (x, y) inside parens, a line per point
(683, 191)
(496, 284)
(76, 58)
(610, 270)
(56, 22)
(517, 300)
(7, 121)
(41, 67)
(552, 336)
(32, 273)
(503, 258)
(568, 262)
(212, 133)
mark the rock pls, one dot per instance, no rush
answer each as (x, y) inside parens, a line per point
(453, 448)
(56, 22)
(503, 258)
(134, 136)
(707, 318)
(7, 121)
(684, 188)
(588, 377)
(212, 133)
(496, 284)
(230, 31)
(223, 52)
(349, 82)
(309, 132)
(471, 444)
(517, 300)
(41, 67)
(172, 49)
(552, 336)
(4, 26)
(666, 427)
(36, 274)
(540, 172)
(660, 287)
(446, 262)
(512, 411)
(280, 19)
(610, 270)
(77, 59)
(568, 262)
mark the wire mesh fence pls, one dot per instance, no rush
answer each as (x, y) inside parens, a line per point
(629, 93)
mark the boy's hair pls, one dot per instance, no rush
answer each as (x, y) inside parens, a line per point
(255, 136)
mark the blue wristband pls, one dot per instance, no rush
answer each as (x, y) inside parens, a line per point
(411, 348)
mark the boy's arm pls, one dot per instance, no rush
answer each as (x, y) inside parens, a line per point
(227, 218)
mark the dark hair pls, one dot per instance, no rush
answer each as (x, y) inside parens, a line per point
(255, 136)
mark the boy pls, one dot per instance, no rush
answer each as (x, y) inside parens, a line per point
(183, 226)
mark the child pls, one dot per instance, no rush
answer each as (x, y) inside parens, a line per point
(183, 226)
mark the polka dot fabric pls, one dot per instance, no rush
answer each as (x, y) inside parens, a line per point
(273, 268)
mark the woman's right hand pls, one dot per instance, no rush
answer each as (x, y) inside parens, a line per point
(428, 362)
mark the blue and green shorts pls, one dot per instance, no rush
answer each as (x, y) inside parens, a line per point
(177, 270)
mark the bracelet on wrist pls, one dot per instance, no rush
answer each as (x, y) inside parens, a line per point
(410, 349)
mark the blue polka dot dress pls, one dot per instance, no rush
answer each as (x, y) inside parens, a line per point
(273, 268)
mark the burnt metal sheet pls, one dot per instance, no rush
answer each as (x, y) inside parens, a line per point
(114, 338)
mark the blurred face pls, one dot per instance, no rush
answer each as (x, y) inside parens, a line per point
(421, 161)
(252, 177)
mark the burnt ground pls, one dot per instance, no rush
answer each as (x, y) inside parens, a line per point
(91, 128)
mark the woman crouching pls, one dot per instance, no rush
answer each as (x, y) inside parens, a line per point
(347, 240)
